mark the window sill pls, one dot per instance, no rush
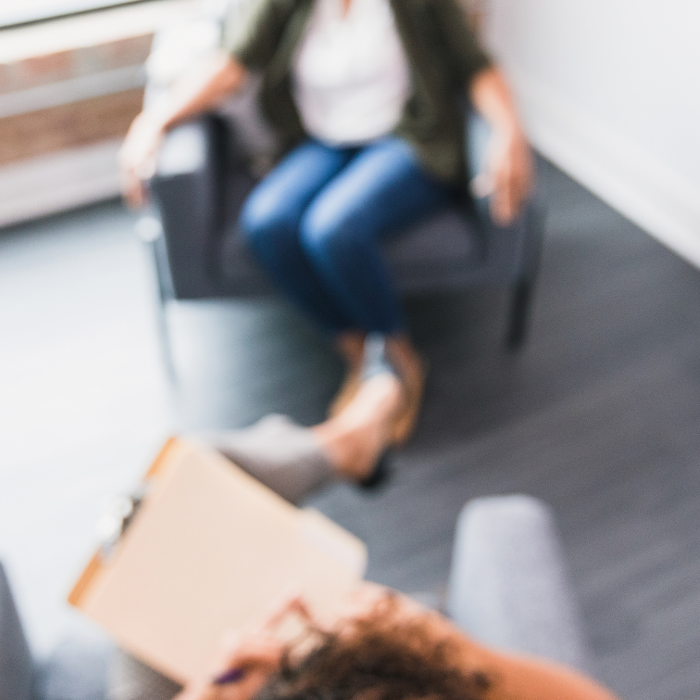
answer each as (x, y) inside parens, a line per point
(76, 80)
(57, 36)
(69, 89)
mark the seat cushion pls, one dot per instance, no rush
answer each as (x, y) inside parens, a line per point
(241, 274)
(438, 252)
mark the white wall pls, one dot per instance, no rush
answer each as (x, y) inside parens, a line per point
(610, 91)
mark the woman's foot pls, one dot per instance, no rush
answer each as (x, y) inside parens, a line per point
(350, 345)
(356, 439)
(294, 461)
(411, 369)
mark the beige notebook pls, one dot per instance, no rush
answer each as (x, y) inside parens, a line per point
(208, 550)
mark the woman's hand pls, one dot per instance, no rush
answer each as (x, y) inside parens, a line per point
(510, 174)
(137, 157)
(198, 91)
(256, 653)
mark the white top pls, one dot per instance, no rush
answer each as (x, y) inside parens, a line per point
(350, 73)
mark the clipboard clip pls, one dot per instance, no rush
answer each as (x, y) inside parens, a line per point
(118, 513)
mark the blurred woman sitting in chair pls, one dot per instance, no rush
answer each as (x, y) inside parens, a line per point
(366, 97)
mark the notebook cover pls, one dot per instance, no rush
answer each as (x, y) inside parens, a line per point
(208, 550)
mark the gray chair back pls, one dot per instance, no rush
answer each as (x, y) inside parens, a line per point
(16, 666)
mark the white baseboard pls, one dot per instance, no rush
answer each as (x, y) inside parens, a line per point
(58, 181)
(621, 172)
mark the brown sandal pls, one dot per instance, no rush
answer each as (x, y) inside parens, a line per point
(408, 417)
(346, 393)
(377, 359)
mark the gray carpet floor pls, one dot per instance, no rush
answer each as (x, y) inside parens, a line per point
(598, 415)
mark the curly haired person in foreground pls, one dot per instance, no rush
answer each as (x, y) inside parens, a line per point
(380, 645)
(376, 644)
(365, 97)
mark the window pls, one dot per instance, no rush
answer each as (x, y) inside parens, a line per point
(13, 13)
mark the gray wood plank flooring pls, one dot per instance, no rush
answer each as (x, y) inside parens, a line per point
(598, 415)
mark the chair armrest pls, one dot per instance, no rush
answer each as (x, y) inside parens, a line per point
(16, 665)
(188, 192)
(477, 135)
(508, 586)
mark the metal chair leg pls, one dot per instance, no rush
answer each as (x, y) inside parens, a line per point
(523, 289)
(166, 348)
(150, 232)
(520, 300)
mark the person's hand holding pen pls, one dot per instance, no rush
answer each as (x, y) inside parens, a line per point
(248, 658)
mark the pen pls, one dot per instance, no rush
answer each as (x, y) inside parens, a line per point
(233, 675)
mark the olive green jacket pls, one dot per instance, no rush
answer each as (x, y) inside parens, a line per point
(442, 52)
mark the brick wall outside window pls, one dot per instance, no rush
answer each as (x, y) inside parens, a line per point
(73, 123)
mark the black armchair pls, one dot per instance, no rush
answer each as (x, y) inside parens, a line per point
(203, 177)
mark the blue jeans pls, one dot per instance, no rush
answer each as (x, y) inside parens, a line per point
(316, 221)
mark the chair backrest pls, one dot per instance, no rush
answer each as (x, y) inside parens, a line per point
(16, 665)
(508, 584)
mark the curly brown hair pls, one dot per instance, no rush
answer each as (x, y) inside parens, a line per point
(379, 656)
